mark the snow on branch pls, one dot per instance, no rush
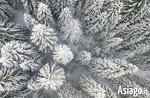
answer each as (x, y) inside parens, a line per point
(84, 57)
(43, 37)
(6, 11)
(94, 89)
(15, 52)
(11, 31)
(111, 68)
(72, 32)
(62, 54)
(12, 79)
(68, 91)
(44, 15)
(50, 76)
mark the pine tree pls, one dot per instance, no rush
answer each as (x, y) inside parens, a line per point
(44, 15)
(50, 77)
(95, 89)
(62, 54)
(30, 7)
(12, 79)
(29, 21)
(65, 16)
(15, 53)
(133, 33)
(84, 57)
(111, 68)
(134, 49)
(43, 37)
(45, 43)
(58, 5)
(11, 31)
(70, 27)
(92, 10)
(30, 65)
(72, 32)
(95, 19)
(68, 91)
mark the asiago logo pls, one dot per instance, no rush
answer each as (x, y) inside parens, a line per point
(132, 91)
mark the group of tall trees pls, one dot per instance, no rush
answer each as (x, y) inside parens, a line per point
(73, 48)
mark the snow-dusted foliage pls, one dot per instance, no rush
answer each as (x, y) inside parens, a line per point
(15, 52)
(141, 60)
(134, 33)
(5, 10)
(95, 19)
(71, 28)
(45, 43)
(44, 15)
(11, 31)
(110, 43)
(58, 5)
(65, 16)
(94, 89)
(134, 49)
(43, 37)
(72, 32)
(29, 21)
(34, 85)
(62, 54)
(111, 68)
(30, 6)
(17, 4)
(132, 9)
(84, 57)
(51, 76)
(68, 91)
(11, 79)
(91, 10)
(29, 65)
(96, 51)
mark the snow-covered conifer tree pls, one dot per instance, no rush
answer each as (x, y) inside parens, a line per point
(44, 15)
(11, 31)
(62, 54)
(106, 45)
(30, 6)
(43, 37)
(70, 27)
(51, 76)
(68, 91)
(29, 21)
(65, 16)
(84, 57)
(45, 43)
(15, 52)
(58, 5)
(111, 68)
(94, 89)
(92, 10)
(72, 32)
(12, 79)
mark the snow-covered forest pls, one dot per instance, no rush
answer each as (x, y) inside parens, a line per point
(74, 48)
